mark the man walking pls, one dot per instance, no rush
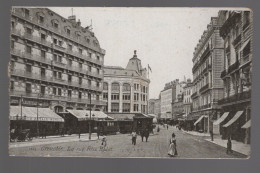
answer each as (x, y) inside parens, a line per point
(134, 135)
(146, 134)
(142, 135)
(229, 146)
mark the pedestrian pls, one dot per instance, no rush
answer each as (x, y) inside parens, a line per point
(158, 129)
(167, 127)
(98, 132)
(211, 135)
(79, 132)
(146, 134)
(172, 146)
(229, 146)
(142, 134)
(104, 141)
(134, 135)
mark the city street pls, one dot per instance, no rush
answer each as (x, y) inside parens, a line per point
(188, 146)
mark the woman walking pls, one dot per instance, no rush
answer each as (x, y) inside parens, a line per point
(172, 147)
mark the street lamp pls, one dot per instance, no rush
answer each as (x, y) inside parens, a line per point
(39, 94)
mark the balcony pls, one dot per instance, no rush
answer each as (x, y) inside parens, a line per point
(246, 59)
(233, 67)
(194, 95)
(205, 106)
(236, 98)
(59, 64)
(237, 40)
(223, 73)
(58, 47)
(204, 88)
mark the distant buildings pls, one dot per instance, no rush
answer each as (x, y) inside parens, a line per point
(236, 30)
(154, 107)
(208, 64)
(187, 101)
(126, 90)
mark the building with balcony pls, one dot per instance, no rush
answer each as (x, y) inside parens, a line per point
(154, 107)
(55, 62)
(126, 90)
(207, 85)
(236, 32)
(187, 101)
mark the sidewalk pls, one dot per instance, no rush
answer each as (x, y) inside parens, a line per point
(54, 140)
(236, 146)
(196, 133)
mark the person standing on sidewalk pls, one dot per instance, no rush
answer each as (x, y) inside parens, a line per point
(211, 134)
(134, 135)
(229, 146)
(167, 127)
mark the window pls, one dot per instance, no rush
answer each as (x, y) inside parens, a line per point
(68, 32)
(126, 96)
(42, 90)
(59, 58)
(105, 86)
(89, 54)
(246, 19)
(60, 43)
(70, 62)
(126, 87)
(54, 91)
(41, 19)
(80, 65)
(27, 13)
(55, 74)
(80, 80)
(89, 68)
(80, 51)
(143, 97)
(42, 72)
(80, 95)
(98, 70)
(59, 75)
(136, 107)
(69, 93)
(70, 47)
(28, 88)
(55, 41)
(126, 107)
(43, 37)
(136, 87)
(56, 25)
(78, 36)
(105, 96)
(59, 91)
(97, 97)
(12, 24)
(12, 85)
(28, 49)
(114, 96)
(136, 96)
(115, 107)
(29, 31)
(98, 58)
(12, 44)
(98, 84)
(115, 87)
(28, 68)
(89, 82)
(69, 78)
(43, 53)
(55, 57)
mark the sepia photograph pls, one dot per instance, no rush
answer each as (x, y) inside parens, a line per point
(130, 82)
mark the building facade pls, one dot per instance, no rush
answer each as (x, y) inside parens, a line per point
(187, 101)
(237, 73)
(207, 85)
(126, 90)
(55, 62)
(177, 97)
(154, 107)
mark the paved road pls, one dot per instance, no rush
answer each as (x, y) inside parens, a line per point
(188, 146)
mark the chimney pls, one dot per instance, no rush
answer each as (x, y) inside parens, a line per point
(72, 18)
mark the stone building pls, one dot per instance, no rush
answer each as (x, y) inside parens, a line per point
(207, 85)
(236, 30)
(187, 101)
(126, 90)
(55, 62)
(154, 107)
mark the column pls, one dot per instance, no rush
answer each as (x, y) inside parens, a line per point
(120, 97)
(109, 96)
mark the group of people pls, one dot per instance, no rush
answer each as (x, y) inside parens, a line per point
(143, 133)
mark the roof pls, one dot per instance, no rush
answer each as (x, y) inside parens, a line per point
(85, 114)
(122, 116)
(30, 114)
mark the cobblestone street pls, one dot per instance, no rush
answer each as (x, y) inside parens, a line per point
(188, 146)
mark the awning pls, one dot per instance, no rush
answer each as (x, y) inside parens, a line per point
(247, 125)
(82, 115)
(140, 115)
(30, 114)
(198, 120)
(122, 116)
(221, 119)
(238, 114)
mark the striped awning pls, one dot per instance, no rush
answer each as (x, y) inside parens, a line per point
(238, 114)
(30, 114)
(198, 120)
(247, 125)
(82, 115)
(221, 119)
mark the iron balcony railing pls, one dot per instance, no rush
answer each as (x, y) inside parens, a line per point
(236, 98)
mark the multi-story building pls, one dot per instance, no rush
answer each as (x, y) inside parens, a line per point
(207, 84)
(237, 74)
(126, 90)
(154, 107)
(54, 61)
(187, 101)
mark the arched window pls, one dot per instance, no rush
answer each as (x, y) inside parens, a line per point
(105, 86)
(126, 87)
(115, 87)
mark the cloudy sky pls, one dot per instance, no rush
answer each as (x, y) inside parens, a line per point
(163, 37)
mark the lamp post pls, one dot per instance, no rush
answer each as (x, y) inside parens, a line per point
(89, 95)
(39, 94)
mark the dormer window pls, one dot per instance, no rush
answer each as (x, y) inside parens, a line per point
(41, 19)
(56, 25)
(27, 13)
(80, 51)
(68, 32)
(78, 36)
